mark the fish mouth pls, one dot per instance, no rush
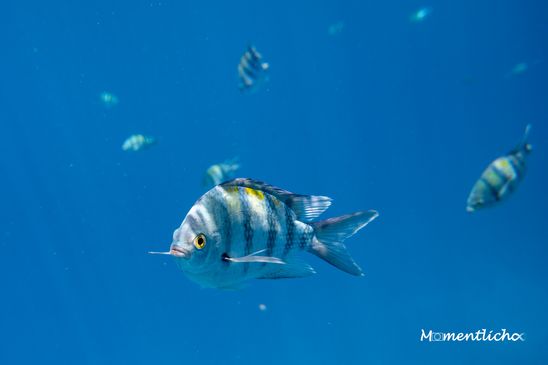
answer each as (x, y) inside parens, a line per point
(178, 251)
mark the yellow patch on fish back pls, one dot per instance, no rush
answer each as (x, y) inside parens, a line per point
(232, 199)
(256, 193)
(504, 163)
(257, 204)
(505, 167)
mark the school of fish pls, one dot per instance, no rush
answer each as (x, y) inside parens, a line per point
(243, 229)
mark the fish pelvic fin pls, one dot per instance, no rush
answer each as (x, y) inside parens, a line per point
(330, 235)
(254, 257)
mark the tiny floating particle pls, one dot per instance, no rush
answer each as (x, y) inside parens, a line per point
(138, 142)
(262, 307)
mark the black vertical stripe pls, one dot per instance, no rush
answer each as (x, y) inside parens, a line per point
(501, 175)
(272, 232)
(303, 240)
(504, 179)
(491, 188)
(518, 165)
(290, 228)
(248, 231)
(271, 221)
(225, 223)
(193, 223)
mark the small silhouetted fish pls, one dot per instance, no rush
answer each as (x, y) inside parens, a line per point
(252, 70)
(220, 172)
(245, 229)
(501, 177)
(137, 142)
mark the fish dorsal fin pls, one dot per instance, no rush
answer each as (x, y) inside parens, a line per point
(305, 207)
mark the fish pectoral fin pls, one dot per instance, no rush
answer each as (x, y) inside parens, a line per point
(503, 190)
(254, 258)
(292, 269)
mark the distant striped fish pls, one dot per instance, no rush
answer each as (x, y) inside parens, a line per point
(220, 172)
(137, 142)
(501, 177)
(252, 70)
(245, 229)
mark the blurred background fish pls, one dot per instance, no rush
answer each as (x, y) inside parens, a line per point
(251, 70)
(108, 99)
(335, 28)
(220, 172)
(501, 177)
(137, 142)
(420, 15)
(519, 69)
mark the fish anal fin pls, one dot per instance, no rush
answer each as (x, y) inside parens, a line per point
(292, 269)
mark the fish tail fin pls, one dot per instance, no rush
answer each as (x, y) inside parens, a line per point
(330, 235)
(526, 145)
(151, 140)
(231, 165)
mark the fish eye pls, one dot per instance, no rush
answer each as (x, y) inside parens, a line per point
(199, 241)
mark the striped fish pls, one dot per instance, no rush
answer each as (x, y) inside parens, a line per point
(251, 70)
(501, 177)
(137, 142)
(220, 172)
(245, 229)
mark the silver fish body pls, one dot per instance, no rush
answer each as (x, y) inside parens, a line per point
(245, 229)
(500, 178)
(252, 71)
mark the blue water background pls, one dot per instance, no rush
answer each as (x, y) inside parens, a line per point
(385, 115)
